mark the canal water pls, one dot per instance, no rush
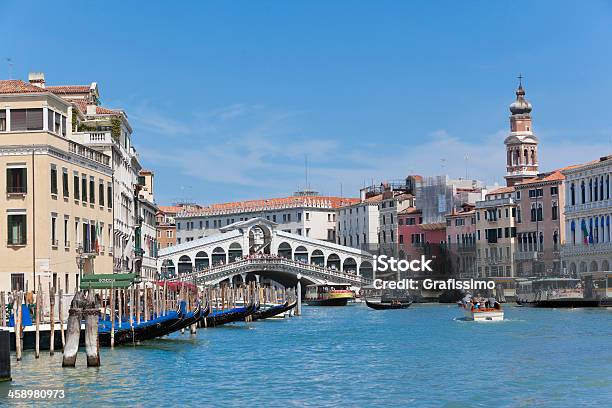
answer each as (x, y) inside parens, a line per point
(352, 356)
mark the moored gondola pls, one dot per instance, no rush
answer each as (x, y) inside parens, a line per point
(273, 311)
(218, 318)
(388, 305)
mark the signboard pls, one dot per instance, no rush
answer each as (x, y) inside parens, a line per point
(107, 280)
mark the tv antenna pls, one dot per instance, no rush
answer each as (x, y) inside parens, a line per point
(10, 67)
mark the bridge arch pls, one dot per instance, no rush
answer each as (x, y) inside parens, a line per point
(301, 254)
(218, 256)
(234, 252)
(285, 250)
(202, 260)
(366, 270)
(317, 258)
(184, 265)
(333, 261)
(168, 270)
(349, 265)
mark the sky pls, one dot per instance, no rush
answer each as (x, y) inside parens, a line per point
(227, 99)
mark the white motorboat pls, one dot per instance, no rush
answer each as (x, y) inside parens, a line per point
(482, 314)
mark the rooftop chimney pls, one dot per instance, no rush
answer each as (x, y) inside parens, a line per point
(37, 79)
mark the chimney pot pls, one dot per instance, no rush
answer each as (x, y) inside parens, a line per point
(37, 79)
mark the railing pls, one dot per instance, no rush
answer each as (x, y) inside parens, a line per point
(494, 202)
(579, 249)
(16, 189)
(219, 271)
(89, 153)
(593, 205)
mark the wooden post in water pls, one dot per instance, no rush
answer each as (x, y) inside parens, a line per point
(91, 313)
(17, 317)
(138, 304)
(3, 306)
(73, 330)
(119, 306)
(51, 319)
(112, 315)
(298, 310)
(39, 308)
(61, 316)
(131, 306)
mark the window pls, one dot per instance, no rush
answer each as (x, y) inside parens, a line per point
(3, 120)
(76, 186)
(92, 191)
(299, 217)
(16, 180)
(518, 195)
(53, 231)
(66, 243)
(101, 193)
(53, 179)
(307, 216)
(109, 196)
(27, 119)
(555, 211)
(554, 190)
(65, 191)
(83, 187)
(58, 122)
(63, 126)
(17, 229)
(17, 281)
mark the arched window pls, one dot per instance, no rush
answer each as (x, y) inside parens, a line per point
(601, 188)
(509, 158)
(532, 156)
(555, 211)
(573, 231)
(595, 191)
(583, 192)
(540, 215)
(590, 190)
(533, 212)
(607, 187)
(573, 194)
(556, 240)
(526, 157)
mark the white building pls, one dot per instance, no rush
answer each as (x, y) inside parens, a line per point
(358, 223)
(312, 216)
(109, 131)
(148, 225)
(588, 209)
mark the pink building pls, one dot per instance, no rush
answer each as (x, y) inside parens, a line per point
(413, 235)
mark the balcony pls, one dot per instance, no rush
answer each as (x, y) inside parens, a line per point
(581, 249)
(495, 202)
(594, 205)
(88, 153)
(97, 138)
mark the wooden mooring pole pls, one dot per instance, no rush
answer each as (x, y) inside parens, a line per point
(71, 347)
(91, 313)
(51, 319)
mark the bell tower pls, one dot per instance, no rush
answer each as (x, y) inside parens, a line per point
(521, 144)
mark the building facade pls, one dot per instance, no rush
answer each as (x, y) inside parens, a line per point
(312, 216)
(146, 233)
(108, 131)
(357, 224)
(588, 209)
(56, 210)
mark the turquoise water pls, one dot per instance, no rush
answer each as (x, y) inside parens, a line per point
(423, 356)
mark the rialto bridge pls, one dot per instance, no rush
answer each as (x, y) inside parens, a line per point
(255, 248)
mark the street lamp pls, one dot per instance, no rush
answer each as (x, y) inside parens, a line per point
(80, 261)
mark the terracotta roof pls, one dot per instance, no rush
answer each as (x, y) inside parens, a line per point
(17, 86)
(69, 89)
(100, 110)
(274, 203)
(501, 190)
(172, 209)
(410, 210)
(555, 175)
(434, 226)
(374, 199)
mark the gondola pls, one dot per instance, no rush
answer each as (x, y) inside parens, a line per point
(273, 311)
(387, 305)
(218, 318)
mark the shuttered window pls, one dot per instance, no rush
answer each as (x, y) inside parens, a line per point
(26, 119)
(2, 120)
(34, 119)
(50, 120)
(58, 121)
(63, 126)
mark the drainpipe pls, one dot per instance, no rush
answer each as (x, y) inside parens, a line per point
(33, 224)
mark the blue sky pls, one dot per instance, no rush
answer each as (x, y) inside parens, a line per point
(226, 98)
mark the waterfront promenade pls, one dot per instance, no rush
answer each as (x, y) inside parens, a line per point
(424, 356)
